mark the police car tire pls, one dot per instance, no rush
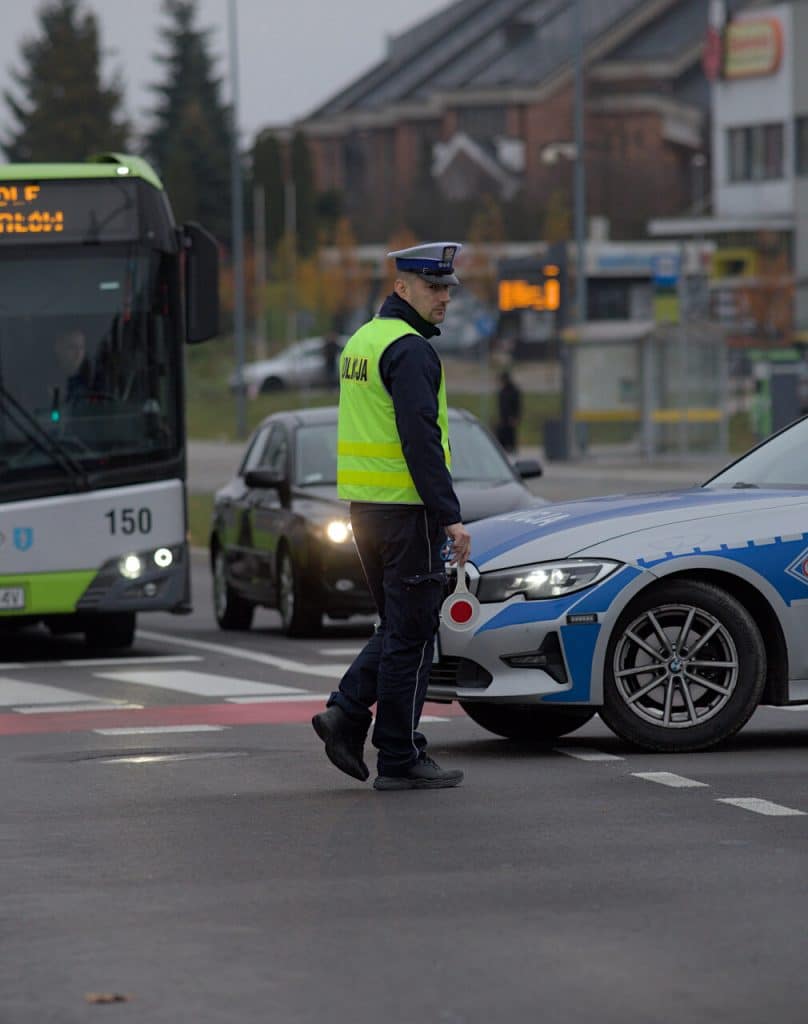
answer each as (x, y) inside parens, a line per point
(230, 609)
(301, 614)
(737, 632)
(115, 630)
(526, 721)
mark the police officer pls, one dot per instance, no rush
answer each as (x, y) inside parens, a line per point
(393, 464)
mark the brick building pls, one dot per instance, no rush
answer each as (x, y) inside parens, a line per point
(476, 103)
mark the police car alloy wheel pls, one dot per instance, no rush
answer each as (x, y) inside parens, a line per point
(526, 721)
(685, 669)
(231, 611)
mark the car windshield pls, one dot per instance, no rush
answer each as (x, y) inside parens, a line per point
(474, 456)
(781, 462)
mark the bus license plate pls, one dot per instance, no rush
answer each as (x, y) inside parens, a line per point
(12, 598)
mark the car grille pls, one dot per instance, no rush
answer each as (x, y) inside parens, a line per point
(459, 672)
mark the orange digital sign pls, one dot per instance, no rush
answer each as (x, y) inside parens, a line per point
(21, 212)
(753, 47)
(520, 294)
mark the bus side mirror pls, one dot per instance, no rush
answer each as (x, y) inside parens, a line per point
(201, 284)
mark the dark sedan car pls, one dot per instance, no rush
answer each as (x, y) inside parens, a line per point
(281, 538)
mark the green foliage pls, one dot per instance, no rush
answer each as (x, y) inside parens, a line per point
(189, 142)
(66, 113)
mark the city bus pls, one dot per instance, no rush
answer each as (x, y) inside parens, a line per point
(99, 292)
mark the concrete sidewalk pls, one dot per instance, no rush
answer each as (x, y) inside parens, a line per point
(212, 463)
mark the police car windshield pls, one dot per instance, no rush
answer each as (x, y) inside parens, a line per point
(781, 462)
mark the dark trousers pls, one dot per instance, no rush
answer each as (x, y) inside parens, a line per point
(399, 546)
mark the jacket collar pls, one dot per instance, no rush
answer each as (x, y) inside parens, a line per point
(397, 308)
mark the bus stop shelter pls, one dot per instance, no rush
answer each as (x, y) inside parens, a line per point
(649, 389)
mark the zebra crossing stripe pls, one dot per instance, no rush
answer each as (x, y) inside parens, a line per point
(757, 806)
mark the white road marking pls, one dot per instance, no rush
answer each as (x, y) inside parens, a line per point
(16, 693)
(86, 705)
(201, 684)
(587, 754)
(202, 755)
(318, 697)
(143, 729)
(433, 718)
(339, 652)
(99, 662)
(670, 779)
(751, 803)
(329, 671)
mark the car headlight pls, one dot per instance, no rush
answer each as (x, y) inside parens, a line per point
(543, 580)
(338, 531)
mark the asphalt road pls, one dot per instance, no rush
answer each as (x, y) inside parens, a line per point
(173, 834)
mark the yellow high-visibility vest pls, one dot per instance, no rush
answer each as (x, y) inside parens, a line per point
(370, 461)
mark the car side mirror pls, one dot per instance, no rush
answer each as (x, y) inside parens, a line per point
(265, 478)
(528, 468)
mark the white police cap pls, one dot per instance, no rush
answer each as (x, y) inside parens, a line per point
(433, 261)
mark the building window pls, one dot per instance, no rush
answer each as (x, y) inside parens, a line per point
(481, 122)
(801, 145)
(755, 152)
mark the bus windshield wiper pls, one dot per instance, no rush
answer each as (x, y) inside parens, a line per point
(38, 436)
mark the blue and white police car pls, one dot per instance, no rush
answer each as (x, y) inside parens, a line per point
(673, 615)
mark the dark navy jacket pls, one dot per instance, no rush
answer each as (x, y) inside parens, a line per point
(410, 369)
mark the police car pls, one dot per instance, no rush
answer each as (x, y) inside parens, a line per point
(673, 615)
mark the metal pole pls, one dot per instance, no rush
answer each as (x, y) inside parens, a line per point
(290, 202)
(238, 223)
(260, 243)
(568, 396)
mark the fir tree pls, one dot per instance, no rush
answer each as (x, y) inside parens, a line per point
(190, 139)
(305, 195)
(267, 172)
(65, 112)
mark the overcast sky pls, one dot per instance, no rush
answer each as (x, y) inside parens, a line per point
(292, 56)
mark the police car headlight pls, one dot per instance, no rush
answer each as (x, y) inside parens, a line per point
(130, 567)
(544, 580)
(338, 531)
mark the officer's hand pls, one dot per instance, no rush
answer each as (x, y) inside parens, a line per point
(461, 542)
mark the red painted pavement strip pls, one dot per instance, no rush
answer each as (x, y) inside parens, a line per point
(265, 713)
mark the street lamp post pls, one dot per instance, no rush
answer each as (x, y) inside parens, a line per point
(568, 387)
(237, 212)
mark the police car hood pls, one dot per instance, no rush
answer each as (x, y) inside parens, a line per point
(628, 526)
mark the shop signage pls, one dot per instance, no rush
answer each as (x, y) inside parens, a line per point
(753, 47)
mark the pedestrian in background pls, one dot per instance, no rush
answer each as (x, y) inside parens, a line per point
(509, 406)
(394, 465)
(331, 351)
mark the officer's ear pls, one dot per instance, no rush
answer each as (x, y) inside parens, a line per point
(401, 287)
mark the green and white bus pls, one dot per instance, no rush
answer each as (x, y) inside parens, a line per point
(99, 291)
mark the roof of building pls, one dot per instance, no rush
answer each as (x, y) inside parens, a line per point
(496, 44)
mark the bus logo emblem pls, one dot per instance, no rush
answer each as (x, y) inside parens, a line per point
(23, 537)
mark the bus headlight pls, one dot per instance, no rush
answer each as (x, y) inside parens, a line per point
(338, 531)
(163, 557)
(131, 567)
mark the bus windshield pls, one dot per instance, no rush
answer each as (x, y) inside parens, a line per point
(88, 361)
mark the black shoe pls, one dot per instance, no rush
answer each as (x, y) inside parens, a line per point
(344, 741)
(424, 774)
